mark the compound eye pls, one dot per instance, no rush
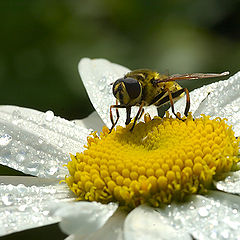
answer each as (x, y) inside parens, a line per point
(133, 87)
(117, 87)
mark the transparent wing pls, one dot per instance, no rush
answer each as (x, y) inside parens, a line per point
(193, 76)
(97, 76)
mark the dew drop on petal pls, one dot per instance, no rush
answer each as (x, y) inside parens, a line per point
(235, 108)
(40, 140)
(16, 115)
(52, 170)
(33, 168)
(5, 139)
(22, 208)
(225, 234)
(49, 115)
(213, 235)
(20, 157)
(60, 144)
(7, 199)
(203, 212)
(234, 211)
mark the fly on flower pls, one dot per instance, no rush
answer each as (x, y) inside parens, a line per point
(146, 87)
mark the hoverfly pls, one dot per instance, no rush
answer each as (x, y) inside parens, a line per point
(145, 87)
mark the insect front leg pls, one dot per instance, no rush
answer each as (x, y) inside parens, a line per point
(128, 115)
(137, 116)
(117, 113)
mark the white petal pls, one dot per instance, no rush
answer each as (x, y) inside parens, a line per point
(230, 184)
(25, 202)
(221, 99)
(197, 96)
(97, 75)
(93, 121)
(216, 216)
(71, 237)
(145, 223)
(112, 229)
(83, 218)
(38, 143)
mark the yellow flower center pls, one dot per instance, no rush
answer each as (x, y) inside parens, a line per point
(160, 160)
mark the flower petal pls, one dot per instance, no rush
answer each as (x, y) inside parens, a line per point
(220, 99)
(197, 96)
(215, 216)
(38, 143)
(145, 223)
(111, 230)
(93, 121)
(230, 184)
(83, 218)
(97, 76)
(26, 202)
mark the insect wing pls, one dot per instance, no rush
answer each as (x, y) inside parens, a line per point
(192, 76)
(97, 76)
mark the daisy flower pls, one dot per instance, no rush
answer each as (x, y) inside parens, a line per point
(153, 183)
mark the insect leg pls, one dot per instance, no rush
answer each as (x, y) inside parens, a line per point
(128, 113)
(137, 116)
(171, 102)
(187, 102)
(141, 113)
(117, 113)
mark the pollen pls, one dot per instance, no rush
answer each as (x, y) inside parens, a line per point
(161, 160)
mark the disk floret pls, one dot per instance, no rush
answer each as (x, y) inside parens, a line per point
(160, 160)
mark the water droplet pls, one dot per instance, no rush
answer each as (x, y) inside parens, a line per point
(16, 117)
(234, 211)
(213, 235)
(60, 144)
(7, 199)
(5, 139)
(203, 212)
(45, 213)
(235, 108)
(35, 209)
(33, 167)
(225, 234)
(52, 170)
(49, 115)
(40, 140)
(22, 208)
(20, 157)
(101, 87)
(192, 207)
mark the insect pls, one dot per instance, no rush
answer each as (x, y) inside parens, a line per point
(145, 87)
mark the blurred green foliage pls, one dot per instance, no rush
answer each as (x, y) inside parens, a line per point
(41, 43)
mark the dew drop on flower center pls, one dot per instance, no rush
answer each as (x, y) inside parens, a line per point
(162, 160)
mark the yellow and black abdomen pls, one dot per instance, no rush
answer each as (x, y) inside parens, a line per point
(157, 94)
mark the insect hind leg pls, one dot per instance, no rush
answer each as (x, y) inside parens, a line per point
(187, 102)
(177, 94)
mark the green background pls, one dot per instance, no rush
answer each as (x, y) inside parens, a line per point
(42, 41)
